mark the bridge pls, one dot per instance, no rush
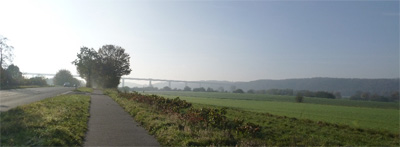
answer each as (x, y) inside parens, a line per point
(140, 79)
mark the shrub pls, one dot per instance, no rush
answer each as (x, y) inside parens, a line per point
(238, 91)
(203, 118)
(299, 98)
(201, 89)
(161, 103)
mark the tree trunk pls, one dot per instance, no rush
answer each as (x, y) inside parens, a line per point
(89, 80)
(1, 55)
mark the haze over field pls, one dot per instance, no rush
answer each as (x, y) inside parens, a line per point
(206, 40)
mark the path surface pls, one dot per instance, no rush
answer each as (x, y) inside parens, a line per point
(16, 97)
(110, 125)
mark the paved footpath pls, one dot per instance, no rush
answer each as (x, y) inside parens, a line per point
(110, 125)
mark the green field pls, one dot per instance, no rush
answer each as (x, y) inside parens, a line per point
(174, 123)
(359, 114)
(279, 98)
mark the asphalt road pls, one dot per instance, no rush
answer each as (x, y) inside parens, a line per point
(15, 97)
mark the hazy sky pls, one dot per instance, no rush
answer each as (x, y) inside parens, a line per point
(208, 40)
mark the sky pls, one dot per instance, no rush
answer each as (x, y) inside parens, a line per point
(210, 40)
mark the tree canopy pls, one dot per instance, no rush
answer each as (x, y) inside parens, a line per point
(104, 67)
(6, 55)
(63, 76)
(11, 77)
(200, 89)
(113, 64)
(238, 91)
(86, 64)
(187, 88)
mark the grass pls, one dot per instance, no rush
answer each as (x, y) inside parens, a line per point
(292, 131)
(279, 98)
(25, 86)
(276, 130)
(354, 116)
(57, 121)
(34, 86)
(85, 89)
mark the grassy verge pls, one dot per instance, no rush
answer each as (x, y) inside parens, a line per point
(57, 121)
(193, 127)
(85, 89)
(25, 86)
(34, 86)
(369, 118)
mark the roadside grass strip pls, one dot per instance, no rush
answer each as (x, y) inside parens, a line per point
(57, 121)
(85, 89)
(175, 122)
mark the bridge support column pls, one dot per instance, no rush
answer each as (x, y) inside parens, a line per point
(150, 85)
(169, 84)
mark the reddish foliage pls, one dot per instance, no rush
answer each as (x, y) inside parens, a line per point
(204, 117)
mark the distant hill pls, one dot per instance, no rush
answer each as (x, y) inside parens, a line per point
(345, 86)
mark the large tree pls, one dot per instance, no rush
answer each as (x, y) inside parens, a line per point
(86, 64)
(114, 63)
(6, 55)
(105, 67)
(10, 77)
(63, 76)
(5, 58)
(14, 75)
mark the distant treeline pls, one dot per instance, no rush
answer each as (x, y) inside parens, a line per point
(11, 77)
(166, 88)
(393, 96)
(366, 96)
(346, 86)
(291, 92)
(359, 95)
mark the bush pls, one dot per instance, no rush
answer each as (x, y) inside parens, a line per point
(203, 118)
(210, 90)
(238, 91)
(201, 89)
(39, 81)
(251, 91)
(166, 88)
(187, 88)
(299, 98)
(161, 103)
